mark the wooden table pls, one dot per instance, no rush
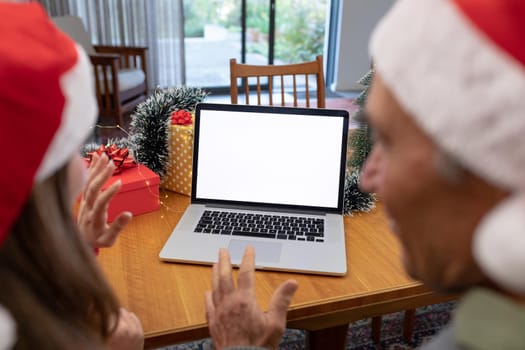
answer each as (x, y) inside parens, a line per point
(169, 297)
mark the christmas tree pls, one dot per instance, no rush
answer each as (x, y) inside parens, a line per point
(359, 140)
(360, 144)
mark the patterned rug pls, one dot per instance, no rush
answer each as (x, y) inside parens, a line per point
(429, 320)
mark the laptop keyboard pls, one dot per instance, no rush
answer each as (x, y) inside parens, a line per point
(261, 225)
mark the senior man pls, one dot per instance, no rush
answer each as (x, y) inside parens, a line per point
(447, 106)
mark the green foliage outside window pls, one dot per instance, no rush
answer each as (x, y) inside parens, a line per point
(300, 24)
(300, 30)
(258, 15)
(198, 13)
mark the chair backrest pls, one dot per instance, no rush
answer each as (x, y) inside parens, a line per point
(73, 26)
(277, 75)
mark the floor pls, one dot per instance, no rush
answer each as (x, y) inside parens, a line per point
(429, 320)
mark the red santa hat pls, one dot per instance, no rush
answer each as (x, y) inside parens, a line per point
(458, 67)
(47, 103)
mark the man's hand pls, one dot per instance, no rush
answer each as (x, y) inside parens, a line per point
(93, 210)
(234, 318)
(129, 334)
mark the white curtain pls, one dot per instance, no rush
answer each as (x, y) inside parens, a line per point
(56, 7)
(157, 24)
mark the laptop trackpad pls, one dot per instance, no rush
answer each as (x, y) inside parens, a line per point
(265, 252)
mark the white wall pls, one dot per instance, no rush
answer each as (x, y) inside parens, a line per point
(356, 22)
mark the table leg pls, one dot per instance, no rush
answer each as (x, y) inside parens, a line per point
(408, 324)
(330, 338)
(376, 329)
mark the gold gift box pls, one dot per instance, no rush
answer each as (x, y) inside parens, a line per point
(178, 174)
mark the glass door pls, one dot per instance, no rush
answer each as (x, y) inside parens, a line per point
(251, 31)
(256, 44)
(212, 35)
(299, 30)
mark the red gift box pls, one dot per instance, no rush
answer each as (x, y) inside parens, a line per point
(138, 194)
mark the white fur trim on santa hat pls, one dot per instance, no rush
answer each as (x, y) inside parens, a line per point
(7, 330)
(78, 117)
(461, 89)
(499, 244)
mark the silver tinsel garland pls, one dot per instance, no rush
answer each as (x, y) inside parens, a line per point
(150, 124)
(354, 199)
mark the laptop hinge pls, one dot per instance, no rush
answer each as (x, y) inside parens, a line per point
(261, 208)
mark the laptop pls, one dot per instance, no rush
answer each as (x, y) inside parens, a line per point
(269, 177)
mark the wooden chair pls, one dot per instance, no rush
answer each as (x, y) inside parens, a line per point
(120, 71)
(278, 72)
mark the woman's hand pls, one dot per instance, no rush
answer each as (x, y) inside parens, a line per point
(93, 210)
(129, 334)
(234, 318)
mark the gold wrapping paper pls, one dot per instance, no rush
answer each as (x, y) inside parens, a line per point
(178, 174)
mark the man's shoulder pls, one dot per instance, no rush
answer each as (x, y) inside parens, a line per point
(488, 319)
(484, 319)
(445, 340)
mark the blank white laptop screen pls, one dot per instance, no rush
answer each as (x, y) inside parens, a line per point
(245, 157)
(263, 163)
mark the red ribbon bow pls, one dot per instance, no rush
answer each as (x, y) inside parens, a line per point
(119, 156)
(181, 117)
